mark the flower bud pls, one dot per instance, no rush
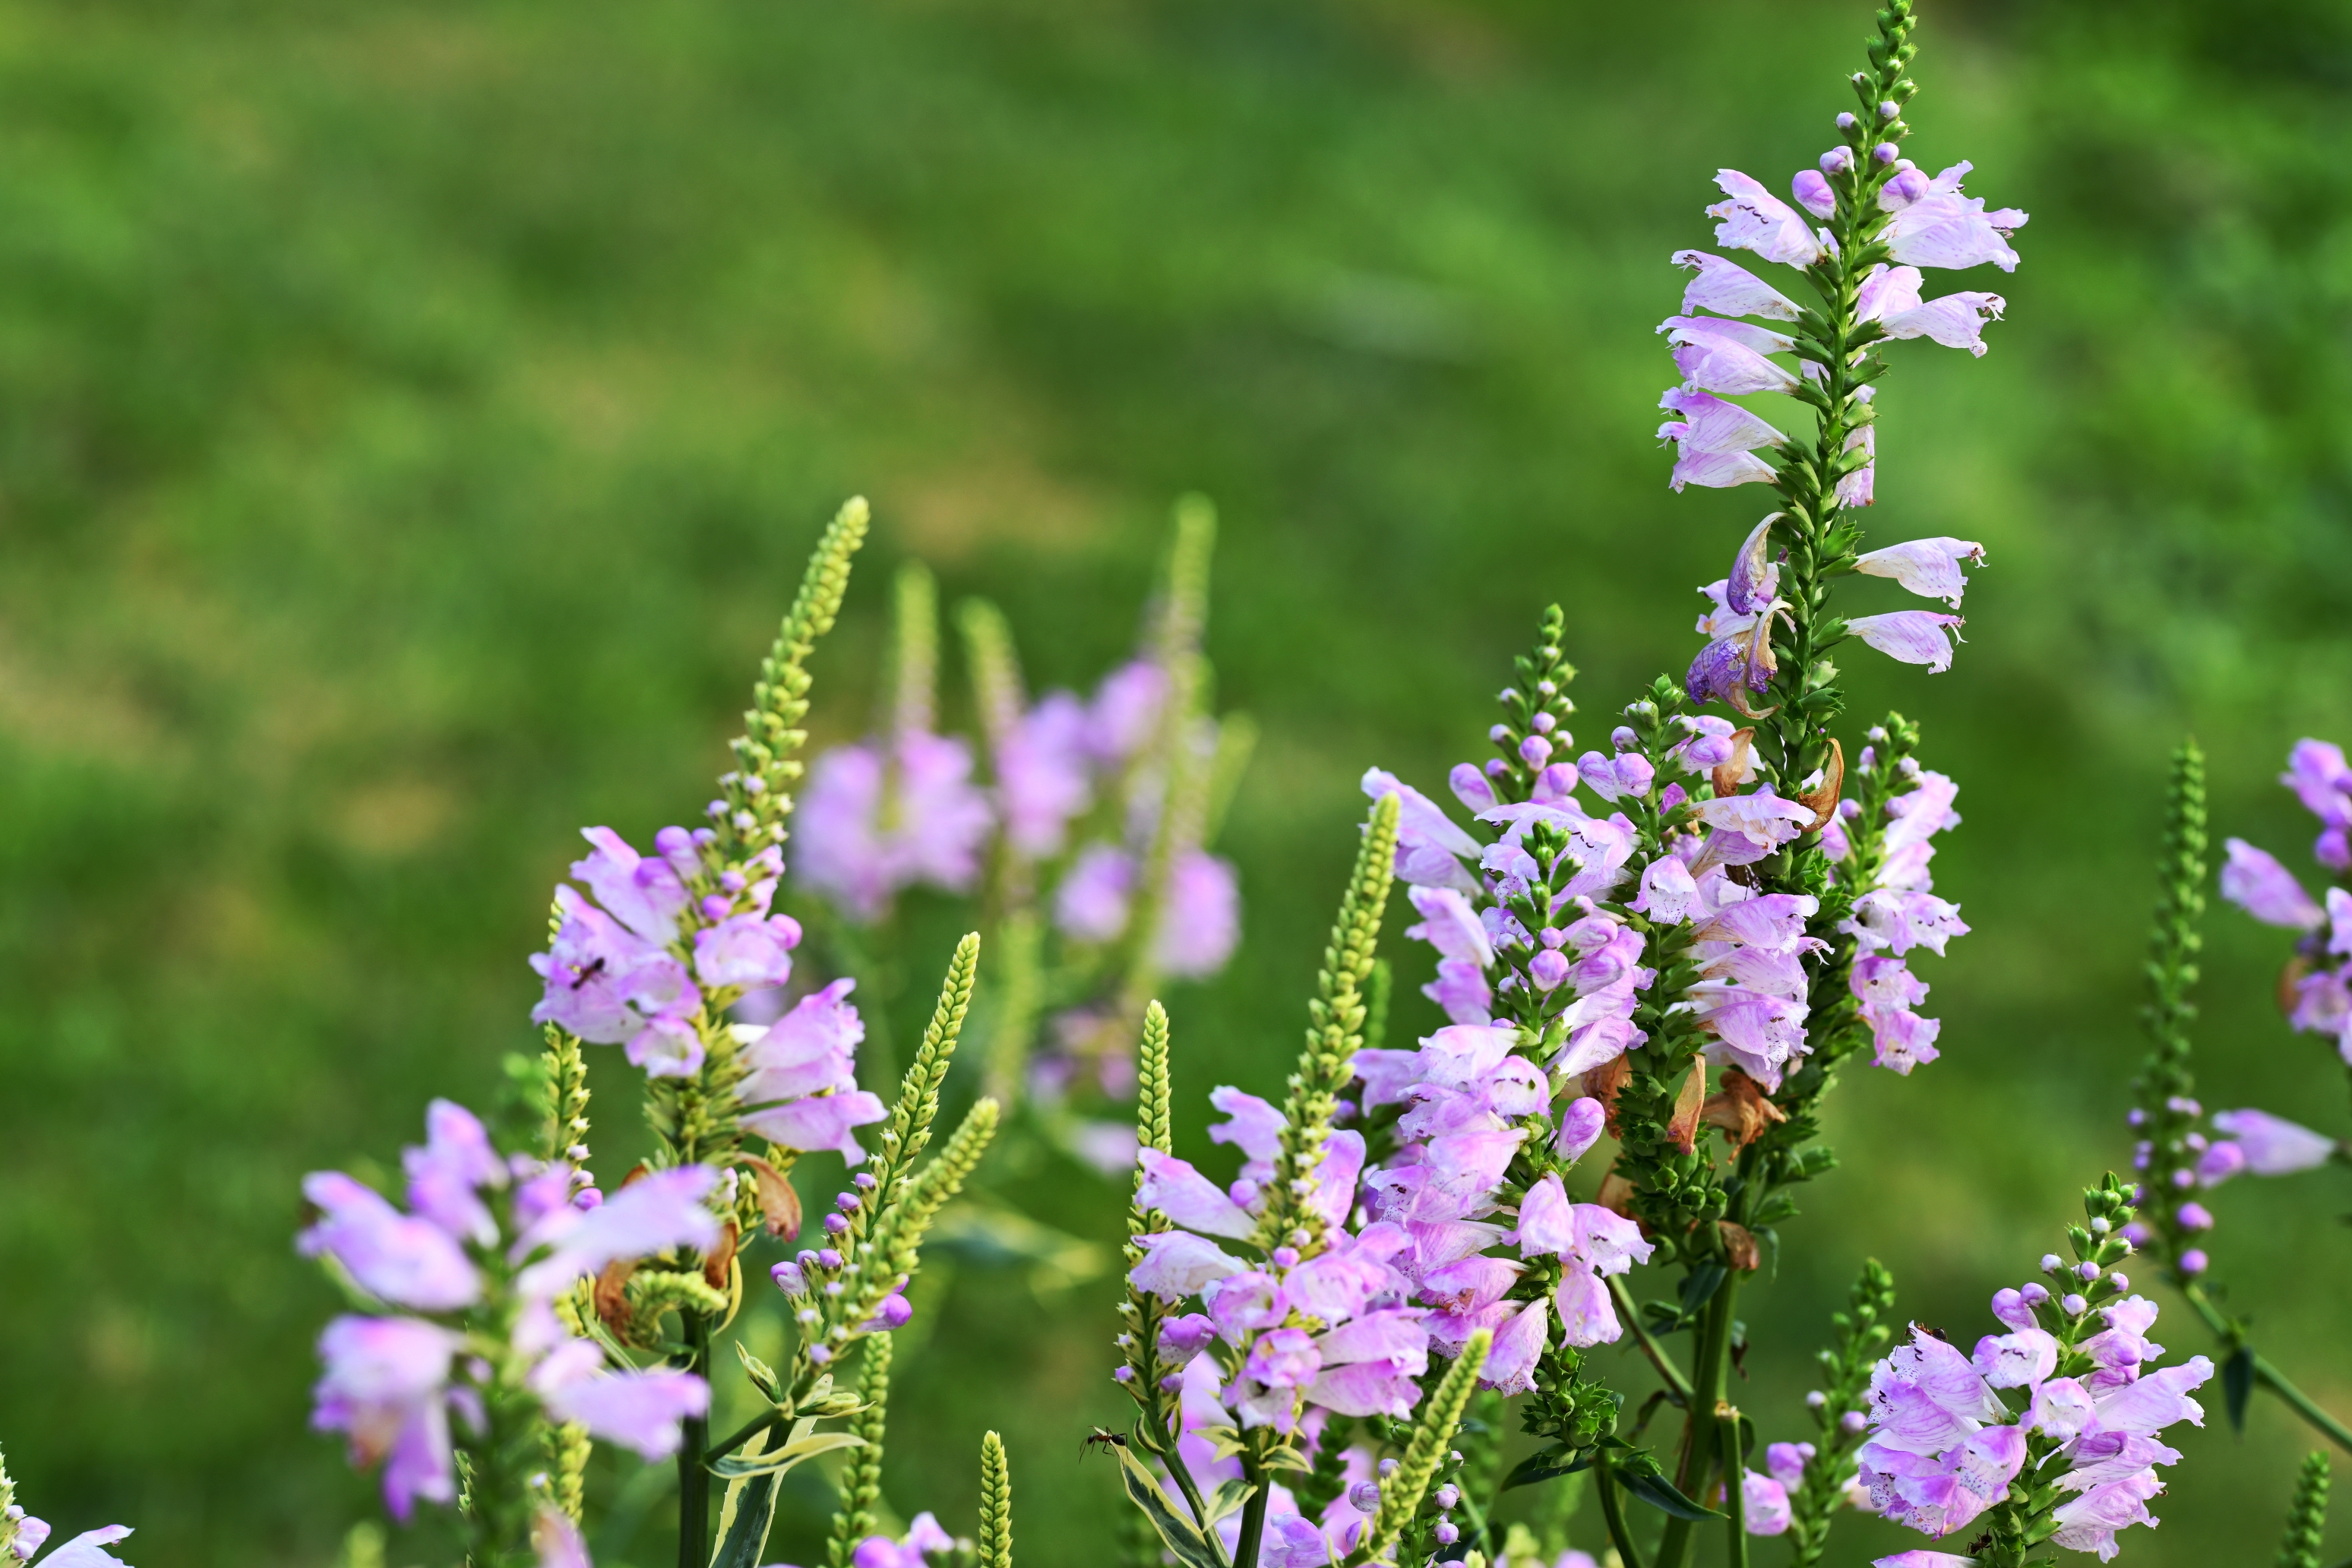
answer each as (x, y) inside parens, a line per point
(2119, 1281)
(1387, 1468)
(1817, 1400)
(2033, 1292)
(2136, 1117)
(1497, 768)
(1535, 751)
(1448, 1496)
(1847, 123)
(2195, 1216)
(1837, 160)
(1853, 1423)
(2194, 1261)
(1284, 1257)
(1123, 1375)
(2072, 1305)
(1579, 1127)
(1364, 1497)
(1500, 735)
(819, 1354)
(2052, 1263)
(828, 1258)
(835, 1224)
(1884, 152)
(847, 1202)
(1813, 194)
(1548, 969)
(1889, 111)
(1544, 724)
(1446, 1532)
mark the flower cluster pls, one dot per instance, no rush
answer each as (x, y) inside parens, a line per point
(1882, 858)
(2064, 1397)
(479, 1272)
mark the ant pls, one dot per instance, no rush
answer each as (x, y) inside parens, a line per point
(1106, 1438)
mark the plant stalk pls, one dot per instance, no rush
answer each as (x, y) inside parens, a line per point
(1612, 1515)
(693, 1481)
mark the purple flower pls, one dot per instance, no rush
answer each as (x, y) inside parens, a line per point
(1091, 904)
(746, 950)
(1041, 774)
(821, 1122)
(84, 1551)
(1726, 357)
(385, 1387)
(1928, 567)
(1763, 1498)
(1944, 228)
(1251, 1125)
(872, 824)
(1754, 219)
(1760, 815)
(652, 1214)
(603, 983)
(2273, 1146)
(1511, 1360)
(1174, 1188)
(445, 1175)
(1126, 712)
(1182, 1338)
(1431, 848)
(1900, 920)
(1716, 441)
(1449, 925)
(638, 1410)
(809, 1050)
(407, 1261)
(1581, 1126)
(667, 1047)
(1813, 194)
(1177, 1264)
(2258, 884)
(1203, 921)
(1627, 774)
(1728, 289)
(1914, 636)
(645, 893)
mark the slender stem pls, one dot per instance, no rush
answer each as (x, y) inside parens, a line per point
(1631, 1318)
(1188, 1487)
(1735, 1496)
(2270, 1377)
(2233, 1336)
(693, 1481)
(749, 1430)
(1252, 1527)
(1612, 1515)
(1706, 1384)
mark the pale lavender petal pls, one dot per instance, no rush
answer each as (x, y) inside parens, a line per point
(824, 1122)
(1956, 321)
(1177, 1264)
(638, 1410)
(2274, 1145)
(1203, 921)
(1587, 1316)
(1174, 1188)
(406, 1262)
(1754, 219)
(1728, 289)
(1928, 567)
(1914, 636)
(2258, 884)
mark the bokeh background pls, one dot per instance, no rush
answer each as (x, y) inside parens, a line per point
(413, 418)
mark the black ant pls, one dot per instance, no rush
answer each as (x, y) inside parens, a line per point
(1104, 1438)
(587, 972)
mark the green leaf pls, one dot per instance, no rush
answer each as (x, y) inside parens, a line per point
(1230, 1496)
(762, 1375)
(749, 1512)
(1549, 1464)
(1193, 1548)
(1646, 1481)
(2238, 1385)
(785, 1458)
(1700, 1285)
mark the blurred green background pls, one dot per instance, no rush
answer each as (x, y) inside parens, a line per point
(413, 419)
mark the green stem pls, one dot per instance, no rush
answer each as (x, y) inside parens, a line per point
(1612, 1515)
(1735, 1498)
(1707, 1386)
(1253, 1526)
(749, 1430)
(693, 1481)
(2234, 1337)
(1632, 1317)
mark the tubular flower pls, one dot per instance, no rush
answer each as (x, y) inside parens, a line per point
(490, 1246)
(876, 819)
(1894, 910)
(2316, 992)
